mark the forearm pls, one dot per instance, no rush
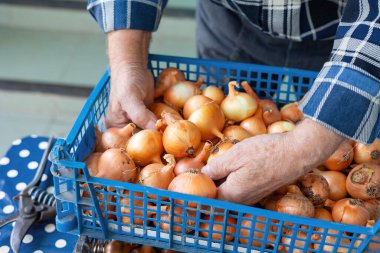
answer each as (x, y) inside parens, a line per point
(128, 48)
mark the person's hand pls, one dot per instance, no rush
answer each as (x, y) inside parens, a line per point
(259, 165)
(132, 87)
(132, 91)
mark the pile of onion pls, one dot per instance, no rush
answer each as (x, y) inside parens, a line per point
(178, 94)
(341, 158)
(290, 112)
(367, 154)
(197, 162)
(214, 93)
(167, 78)
(315, 187)
(363, 182)
(350, 211)
(295, 203)
(218, 227)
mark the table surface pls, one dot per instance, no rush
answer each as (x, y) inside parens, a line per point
(17, 169)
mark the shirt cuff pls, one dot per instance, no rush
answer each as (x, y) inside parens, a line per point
(345, 99)
(114, 15)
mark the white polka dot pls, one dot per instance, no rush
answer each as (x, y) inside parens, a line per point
(16, 142)
(4, 249)
(49, 228)
(33, 165)
(44, 177)
(4, 161)
(20, 186)
(8, 209)
(24, 153)
(50, 189)
(34, 136)
(43, 145)
(2, 195)
(27, 238)
(38, 251)
(12, 173)
(60, 243)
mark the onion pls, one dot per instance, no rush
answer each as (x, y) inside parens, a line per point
(315, 188)
(193, 103)
(350, 211)
(298, 241)
(98, 140)
(372, 246)
(166, 119)
(200, 149)
(100, 197)
(115, 246)
(250, 92)
(116, 164)
(363, 182)
(92, 162)
(337, 183)
(281, 127)
(221, 148)
(117, 137)
(139, 212)
(185, 164)
(270, 202)
(178, 94)
(158, 175)
(257, 236)
(295, 203)
(167, 78)
(193, 182)
(218, 228)
(238, 106)
(236, 133)
(143, 249)
(322, 214)
(255, 125)
(373, 206)
(367, 154)
(341, 158)
(138, 143)
(271, 113)
(176, 221)
(181, 138)
(209, 118)
(214, 93)
(330, 241)
(290, 112)
(159, 108)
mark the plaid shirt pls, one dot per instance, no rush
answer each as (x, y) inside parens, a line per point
(346, 94)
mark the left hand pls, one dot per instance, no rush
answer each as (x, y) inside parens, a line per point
(259, 165)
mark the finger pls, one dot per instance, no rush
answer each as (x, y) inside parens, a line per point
(115, 116)
(230, 191)
(221, 166)
(139, 114)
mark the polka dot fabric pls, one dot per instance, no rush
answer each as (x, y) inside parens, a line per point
(17, 169)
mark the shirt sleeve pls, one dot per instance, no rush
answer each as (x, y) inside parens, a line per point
(114, 15)
(345, 96)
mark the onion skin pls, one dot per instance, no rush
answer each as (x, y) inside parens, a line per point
(197, 162)
(236, 133)
(167, 78)
(281, 127)
(219, 228)
(209, 118)
(337, 183)
(137, 144)
(177, 95)
(117, 137)
(213, 93)
(290, 112)
(137, 214)
(331, 239)
(98, 140)
(159, 108)
(315, 188)
(373, 206)
(350, 211)
(195, 183)
(322, 214)
(299, 243)
(341, 158)
(238, 106)
(363, 181)
(92, 162)
(255, 125)
(270, 202)
(143, 249)
(250, 92)
(367, 154)
(271, 113)
(116, 164)
(247, 222)
(193, 103)
(221, 148)
(178, 212)
(295, 203)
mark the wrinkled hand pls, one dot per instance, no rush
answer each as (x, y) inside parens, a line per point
(259, 165)
(132, 90)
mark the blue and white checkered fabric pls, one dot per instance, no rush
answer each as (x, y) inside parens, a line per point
(346, 94)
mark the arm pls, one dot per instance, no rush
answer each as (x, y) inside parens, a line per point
(343, 103)
(128, 25)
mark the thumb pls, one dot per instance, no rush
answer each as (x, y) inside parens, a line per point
(139, 114)
(220, 167)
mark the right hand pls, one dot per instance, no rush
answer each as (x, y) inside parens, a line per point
(132, 90)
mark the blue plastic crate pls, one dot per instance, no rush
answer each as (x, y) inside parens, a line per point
(99, 212)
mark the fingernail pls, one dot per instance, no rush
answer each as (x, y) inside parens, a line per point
(206, 170)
